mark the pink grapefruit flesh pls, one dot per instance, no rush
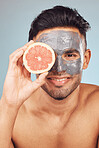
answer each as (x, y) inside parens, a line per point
(38, 58)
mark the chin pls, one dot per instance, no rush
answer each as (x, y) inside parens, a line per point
(61, 93)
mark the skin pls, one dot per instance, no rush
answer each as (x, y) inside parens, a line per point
(68, 49)
(63, 43)
(39, 121)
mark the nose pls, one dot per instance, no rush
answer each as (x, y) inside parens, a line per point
(58, 64)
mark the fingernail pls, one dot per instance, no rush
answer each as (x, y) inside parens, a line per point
(31, 41)
(44, 74)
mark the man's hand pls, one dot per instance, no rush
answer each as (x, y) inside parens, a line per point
(18, 85)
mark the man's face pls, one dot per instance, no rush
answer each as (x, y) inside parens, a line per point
(65, 75)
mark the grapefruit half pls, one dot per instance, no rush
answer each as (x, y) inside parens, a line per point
(38, 58)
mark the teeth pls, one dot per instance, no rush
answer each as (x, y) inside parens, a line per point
(59, 79)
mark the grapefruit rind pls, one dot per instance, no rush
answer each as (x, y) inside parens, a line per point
(49, 65)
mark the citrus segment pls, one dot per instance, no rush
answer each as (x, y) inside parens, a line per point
(38, 58)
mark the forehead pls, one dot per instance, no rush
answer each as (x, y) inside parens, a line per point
(60, 38)
(58, 31)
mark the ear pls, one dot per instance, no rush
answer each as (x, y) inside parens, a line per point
(87, 56)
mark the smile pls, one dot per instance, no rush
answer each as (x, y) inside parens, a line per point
(58, 81)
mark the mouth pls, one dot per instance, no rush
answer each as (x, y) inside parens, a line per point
(58, 81)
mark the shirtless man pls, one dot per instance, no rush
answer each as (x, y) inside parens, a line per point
(56, 110)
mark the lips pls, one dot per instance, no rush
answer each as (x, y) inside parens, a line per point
(58, 81)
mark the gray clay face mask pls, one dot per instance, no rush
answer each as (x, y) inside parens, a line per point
(68, 49)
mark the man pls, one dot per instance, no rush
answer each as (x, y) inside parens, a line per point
(56, 110)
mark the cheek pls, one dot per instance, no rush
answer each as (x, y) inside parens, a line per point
(73, 67)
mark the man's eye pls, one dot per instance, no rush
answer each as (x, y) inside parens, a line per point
(70, 56)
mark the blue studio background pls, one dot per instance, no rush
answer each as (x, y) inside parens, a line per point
(15, 20)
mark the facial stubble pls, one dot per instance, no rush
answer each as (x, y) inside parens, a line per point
(62, 92)
(64, 40)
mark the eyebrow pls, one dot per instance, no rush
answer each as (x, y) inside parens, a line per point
(71, 51)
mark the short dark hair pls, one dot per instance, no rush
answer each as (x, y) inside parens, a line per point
(59, 16)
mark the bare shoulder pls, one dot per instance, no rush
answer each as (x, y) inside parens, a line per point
(91, 103)
(90, 90)
(89, 87)
(91, 94)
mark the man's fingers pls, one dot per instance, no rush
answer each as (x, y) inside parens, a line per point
(39, 81)
(26, 73)
(16, 55)
(20, 61)
(15, 58)
(29, 43)
(22, 48)
(33, 86)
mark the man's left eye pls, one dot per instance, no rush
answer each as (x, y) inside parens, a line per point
(70, 56)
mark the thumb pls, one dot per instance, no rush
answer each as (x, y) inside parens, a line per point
(32, 86)
(39, 81)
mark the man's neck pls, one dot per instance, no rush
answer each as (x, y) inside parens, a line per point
(47, 104)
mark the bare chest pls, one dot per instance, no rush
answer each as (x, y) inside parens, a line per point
(37, 133)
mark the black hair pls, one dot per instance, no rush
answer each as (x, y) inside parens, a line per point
(59, 16)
